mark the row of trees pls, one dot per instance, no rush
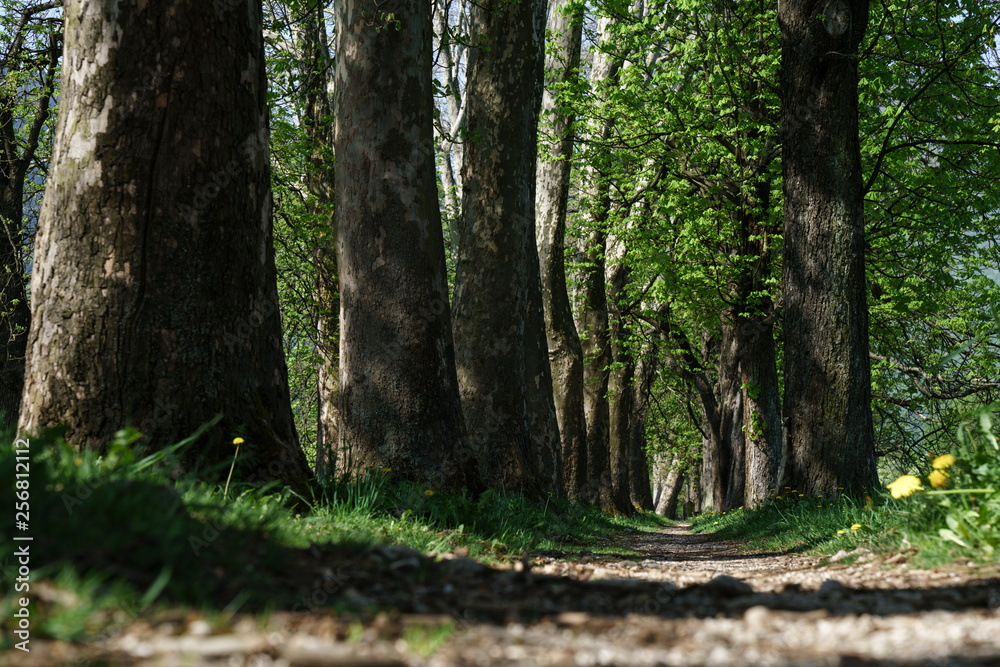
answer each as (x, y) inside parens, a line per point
(560, 272)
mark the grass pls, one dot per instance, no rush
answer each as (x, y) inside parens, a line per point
(823, 526)
(115, 537)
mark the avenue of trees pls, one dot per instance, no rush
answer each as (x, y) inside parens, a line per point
(642, 254)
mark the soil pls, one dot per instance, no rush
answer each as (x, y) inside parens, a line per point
(685, 600)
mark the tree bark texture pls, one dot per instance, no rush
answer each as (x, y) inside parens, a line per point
(551, 198)
(497, 258)
(154, 294)
(827, 372)
(399, 401)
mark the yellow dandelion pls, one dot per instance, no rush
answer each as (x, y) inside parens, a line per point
(856, 526)
(777, 497)
(905, 486)
(386, 469)
(78, 461)
(841, 531)
(937, 478)
(943, 462)
(238, 441)
(428, 492)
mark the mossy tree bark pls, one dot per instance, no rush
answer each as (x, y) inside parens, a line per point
(154, 294)
(827, 372)
(399, 405)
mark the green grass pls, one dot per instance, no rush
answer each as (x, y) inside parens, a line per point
(949, 508)
(116, 537)
(824, 526)
(789, 522)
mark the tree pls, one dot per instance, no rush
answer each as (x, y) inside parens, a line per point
(399, 390)
(593, 311)
(620, 378)
(501, 347)
(29, 65)
(153, 291)
(551, 198)
(827, 372)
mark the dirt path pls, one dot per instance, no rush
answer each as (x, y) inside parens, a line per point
(688, 600)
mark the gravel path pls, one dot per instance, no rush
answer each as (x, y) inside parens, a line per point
(689, 600)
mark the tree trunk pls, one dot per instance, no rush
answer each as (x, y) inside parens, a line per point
(154, 293)
(670, 480)
(597, 358)
(593, 314)
(827, 372)
(543, 424)
(399, 404)
(731, 445)
(497, 260)
(320, 182)
(761, 409)
(551, 198)
(639, 478)
(620, 389)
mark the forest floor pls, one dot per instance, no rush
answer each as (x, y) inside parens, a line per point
(668, 598)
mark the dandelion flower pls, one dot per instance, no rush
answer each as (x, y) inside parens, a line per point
(841, 531)
(856, 526)
(238, 441)
(386, 469)
(943, 462)
(937, 478)
(428, 492)
(905, 486)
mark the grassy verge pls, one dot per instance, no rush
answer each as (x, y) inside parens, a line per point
(115, 537)
(946, 509)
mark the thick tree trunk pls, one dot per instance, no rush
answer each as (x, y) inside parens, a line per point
(154, 290)
(827, 372)
(497, 260)
(399, 404)
(320, 183)
(551, 197)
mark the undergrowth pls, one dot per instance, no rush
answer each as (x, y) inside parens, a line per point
(115, 536)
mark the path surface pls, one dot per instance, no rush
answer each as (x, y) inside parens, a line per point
(688, 600)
